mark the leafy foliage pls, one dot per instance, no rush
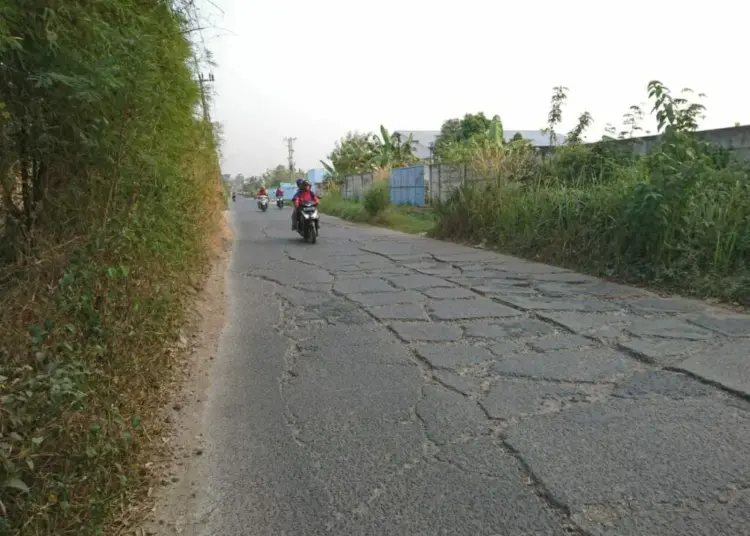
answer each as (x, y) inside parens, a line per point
(275, 176)
(677, 217)
(486, 136)
(357, 152)
(559, 96)
(575, 135)
(456, 132)
(377, 198)
(110, 190)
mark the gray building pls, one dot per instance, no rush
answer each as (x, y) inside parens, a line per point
(424, 139)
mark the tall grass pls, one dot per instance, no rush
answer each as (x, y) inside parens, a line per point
(110, 193)
(678, 218)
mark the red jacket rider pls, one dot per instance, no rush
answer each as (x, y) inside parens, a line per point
(279, 192)
(305, 195)
(262, 191)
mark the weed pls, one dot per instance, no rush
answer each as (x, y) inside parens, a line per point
(377, 198)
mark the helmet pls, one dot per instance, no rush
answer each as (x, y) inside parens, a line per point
(299, 182)
(306, 182)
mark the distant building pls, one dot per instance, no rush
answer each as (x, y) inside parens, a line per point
(423, 140)
(317, 176)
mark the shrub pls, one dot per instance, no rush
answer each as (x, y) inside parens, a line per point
(677, 218)
(110, 186)
(377, 198)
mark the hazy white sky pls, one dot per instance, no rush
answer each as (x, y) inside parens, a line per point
(315, 69)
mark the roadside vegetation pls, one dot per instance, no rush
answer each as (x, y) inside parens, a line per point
(367, 152)
(676, 217)
(375, 209)
(359, 152)
(110, 195)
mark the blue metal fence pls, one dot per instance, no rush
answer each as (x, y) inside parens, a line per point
(407, 186)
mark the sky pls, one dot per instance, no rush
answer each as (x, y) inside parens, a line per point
(316, 69)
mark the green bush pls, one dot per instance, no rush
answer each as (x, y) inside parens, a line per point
(120, 194)
(377, 198)
(676, 218)
(679, 220)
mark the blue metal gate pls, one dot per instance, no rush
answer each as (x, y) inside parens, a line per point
(407, 186)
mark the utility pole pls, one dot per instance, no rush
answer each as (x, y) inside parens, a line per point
(290, 148)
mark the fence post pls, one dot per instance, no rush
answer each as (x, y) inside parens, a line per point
(440, 182)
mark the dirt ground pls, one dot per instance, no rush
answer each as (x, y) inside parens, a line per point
(177, 479)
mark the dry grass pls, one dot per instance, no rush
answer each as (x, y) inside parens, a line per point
(85, 366)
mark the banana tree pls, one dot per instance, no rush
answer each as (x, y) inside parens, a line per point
(391, 151)
(495, 134)
(333, 175)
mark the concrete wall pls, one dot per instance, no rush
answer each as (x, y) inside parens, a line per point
(442, 179)
(439, 181)
(355, 186)
(736, 139)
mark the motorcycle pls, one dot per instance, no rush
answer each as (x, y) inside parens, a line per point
(234, 197)
(263, 202)
(309, 221)
(280, 202)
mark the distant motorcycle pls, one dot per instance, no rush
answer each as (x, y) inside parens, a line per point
(309, 222)
(234, 197)
(263, 202)
(280, 202)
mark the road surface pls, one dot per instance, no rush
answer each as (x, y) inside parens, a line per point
(385, 384)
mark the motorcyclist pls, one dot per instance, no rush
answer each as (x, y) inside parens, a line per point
(299, 188)
(234, 196)
(262, 191)
(304, 194)
(294, 212)
(279, 192)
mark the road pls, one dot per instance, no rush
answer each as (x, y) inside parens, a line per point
(385, 384)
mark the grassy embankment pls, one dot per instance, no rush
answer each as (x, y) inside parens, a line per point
(676, 219)
(110, 197)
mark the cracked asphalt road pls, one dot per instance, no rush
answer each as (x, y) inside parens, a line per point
(385, 384)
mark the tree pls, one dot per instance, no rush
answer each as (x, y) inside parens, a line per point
(357, 152)
(559, 96)
(459, 137)
(675, 113)
(351, 154)
(392, 151)
(460, 131)
(272, 177)
(576, 134)
(632, 122)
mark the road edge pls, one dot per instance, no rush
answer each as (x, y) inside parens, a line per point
(175, 487)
